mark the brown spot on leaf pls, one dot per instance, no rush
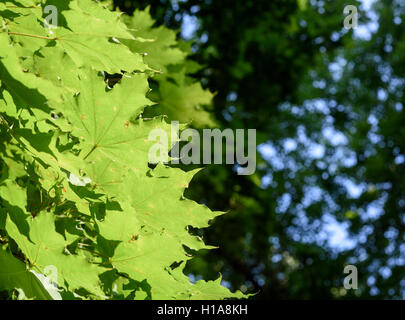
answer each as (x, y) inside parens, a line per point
(133, 238)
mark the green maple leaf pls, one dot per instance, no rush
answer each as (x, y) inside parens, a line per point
(183, 100)
(87, 44)
(159, 44)
(14, 274)
(147, 249)
(101, 116)
(14, 199)
(27, 90)
(76, 151)
(178, 97)
(58, 67)
(41, 244)
(46, 248)
(159, 203)
(103, 121)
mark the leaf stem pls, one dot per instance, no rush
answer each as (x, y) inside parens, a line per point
(31, 35)
(90, 152)
(15, 6)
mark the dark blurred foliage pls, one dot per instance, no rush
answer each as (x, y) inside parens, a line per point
(327, 106)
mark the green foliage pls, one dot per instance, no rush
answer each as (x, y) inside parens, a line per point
(76, 191)
(13, 274)
(177, 95)
(301, 79)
